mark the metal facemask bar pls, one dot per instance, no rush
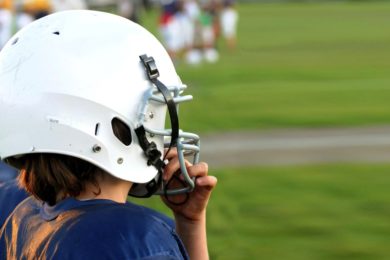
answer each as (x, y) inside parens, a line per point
(187, 144)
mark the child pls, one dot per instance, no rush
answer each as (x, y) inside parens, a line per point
(83, 101)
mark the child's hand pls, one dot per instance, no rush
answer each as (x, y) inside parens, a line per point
(195, 206)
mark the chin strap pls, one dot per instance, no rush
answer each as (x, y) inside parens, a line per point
(150, 149)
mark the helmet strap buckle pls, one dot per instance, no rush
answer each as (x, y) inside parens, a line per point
(150, 66)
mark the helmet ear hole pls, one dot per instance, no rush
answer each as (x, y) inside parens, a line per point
(121, 131)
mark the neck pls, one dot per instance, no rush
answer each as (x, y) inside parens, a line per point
(111, 188)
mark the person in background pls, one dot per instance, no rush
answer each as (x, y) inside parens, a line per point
(129, 9)
(37, 8)
(63, 5)
(6, 8)
(191, 13)
(208, 33)
(228, 21)
(169, 28)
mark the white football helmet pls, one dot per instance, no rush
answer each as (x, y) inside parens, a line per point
(64, 79)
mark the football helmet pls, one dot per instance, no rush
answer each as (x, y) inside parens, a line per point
(66, 77)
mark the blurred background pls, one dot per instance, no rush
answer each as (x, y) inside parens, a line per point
(291, 99)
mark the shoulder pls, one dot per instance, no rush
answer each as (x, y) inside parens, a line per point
(7, 172)
(10, 196)
(119, 231)
(126, 222)
(15, 224)
(21, 214)
(125, 215)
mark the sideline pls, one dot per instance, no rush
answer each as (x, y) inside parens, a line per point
(297, 146)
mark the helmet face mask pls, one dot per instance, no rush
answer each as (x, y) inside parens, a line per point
(66, 77)
(185, 143)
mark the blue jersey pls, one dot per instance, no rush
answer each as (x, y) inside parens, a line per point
(7, 172)
(92, 229)
(10, 193)
(10, 196)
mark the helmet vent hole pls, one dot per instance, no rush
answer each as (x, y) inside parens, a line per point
(15, 41)
(121, 131)
(56, 33)
(97, 126)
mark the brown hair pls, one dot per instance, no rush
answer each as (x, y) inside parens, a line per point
(52, 177)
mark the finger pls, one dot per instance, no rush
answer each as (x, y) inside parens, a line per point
(198, 170)
(172, 167)
(173, 164)
(171, 153)
(208, 182)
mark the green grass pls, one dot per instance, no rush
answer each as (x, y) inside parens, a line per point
(302, 212)
(297, 65)
(308, 65)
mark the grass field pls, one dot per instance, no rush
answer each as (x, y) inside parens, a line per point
(297, 65)
(305, 212)
(309, 65)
